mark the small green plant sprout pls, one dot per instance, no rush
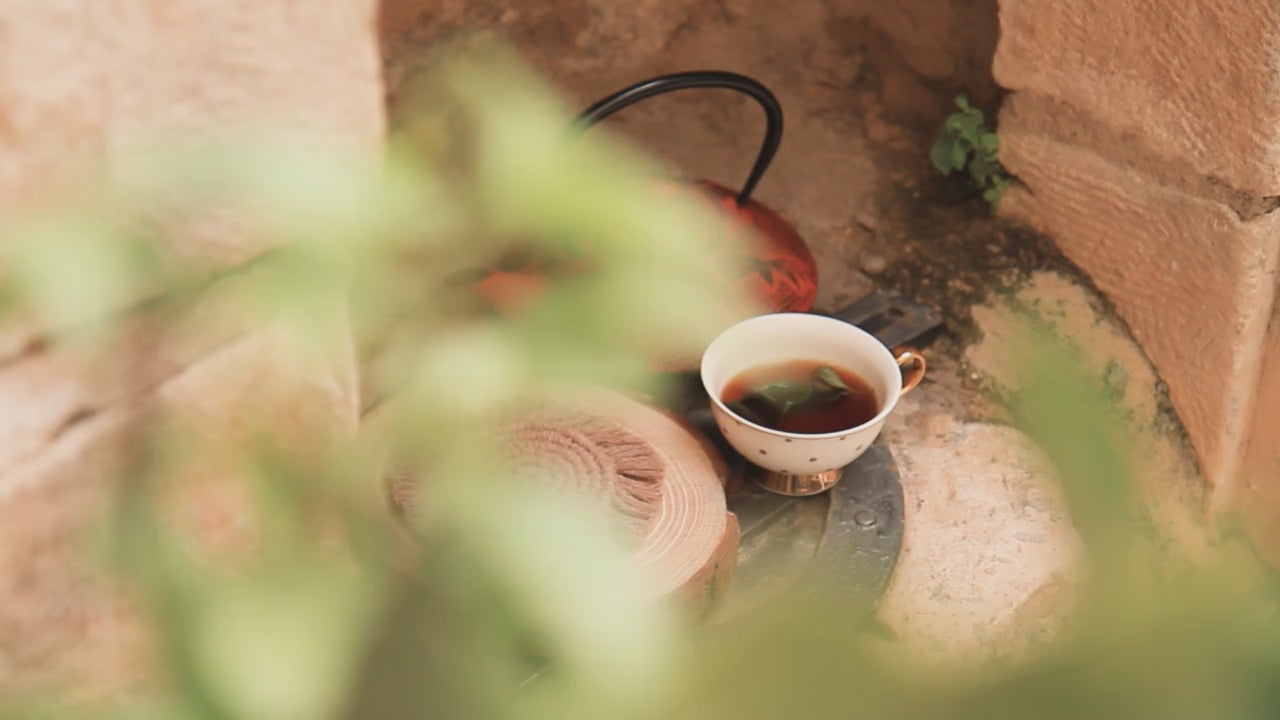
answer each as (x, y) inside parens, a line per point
(965, 142)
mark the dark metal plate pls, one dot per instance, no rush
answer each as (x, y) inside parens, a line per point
(893, 318)
(846, 540)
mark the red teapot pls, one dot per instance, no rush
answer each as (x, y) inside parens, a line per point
(782, 272)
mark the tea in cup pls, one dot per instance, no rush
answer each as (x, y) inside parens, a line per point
(803, 395)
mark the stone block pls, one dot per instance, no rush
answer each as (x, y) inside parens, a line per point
(1259, 499)
(84, 84)
(557, 37)
(942, 40)
(1193, 280)
(61, 622)
(1189, 81)
(990, 559)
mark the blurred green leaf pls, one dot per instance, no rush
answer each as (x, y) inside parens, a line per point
(284, 646)
(75, 269)
(1070, 418)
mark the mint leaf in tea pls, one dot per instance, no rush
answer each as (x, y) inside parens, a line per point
(801, 396)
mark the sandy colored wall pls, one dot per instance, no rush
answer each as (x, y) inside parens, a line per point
(928, 49)
(81, 85)
(864, 86)
(1258, 496)
(1146, 135)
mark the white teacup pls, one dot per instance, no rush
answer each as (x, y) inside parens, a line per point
(801, 463)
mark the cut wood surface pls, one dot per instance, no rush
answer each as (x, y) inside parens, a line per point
(649, 470)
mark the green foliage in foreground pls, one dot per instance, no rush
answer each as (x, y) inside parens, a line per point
(965, 143)
(508, 574)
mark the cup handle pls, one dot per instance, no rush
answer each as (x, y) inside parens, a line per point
(912, 359)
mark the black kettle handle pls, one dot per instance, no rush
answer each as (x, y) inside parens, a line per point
(605, 107)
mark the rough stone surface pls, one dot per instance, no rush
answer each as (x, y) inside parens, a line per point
(856, 80)
(710, 134)
(990, 558)
(1259, 500)
(936, 41)
(1163, 466)
(991, 561)
(81, 87)
(1194, 281)
(937, 37)
(1189, 81)
(73, 411)
(1148, 138)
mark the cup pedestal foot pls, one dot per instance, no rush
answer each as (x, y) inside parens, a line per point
(800, 485)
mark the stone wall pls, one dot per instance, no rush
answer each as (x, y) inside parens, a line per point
(1259, 494)
(82, 85)
(925, 51)
(865, 86)
(1146, 134)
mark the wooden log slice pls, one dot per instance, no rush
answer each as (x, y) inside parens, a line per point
(644, 466)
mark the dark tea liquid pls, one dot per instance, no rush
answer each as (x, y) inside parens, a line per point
(848, 411)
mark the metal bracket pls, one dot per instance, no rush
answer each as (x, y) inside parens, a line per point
(893, 318)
